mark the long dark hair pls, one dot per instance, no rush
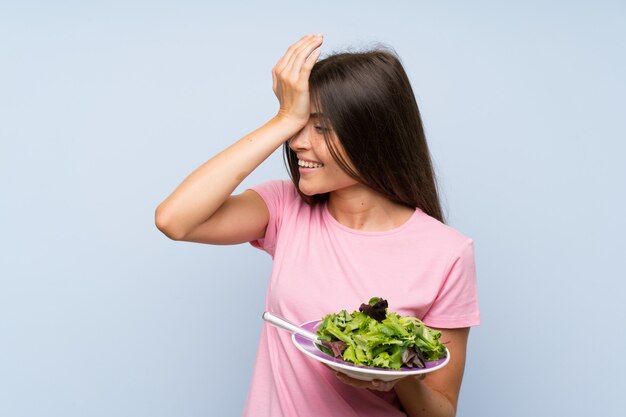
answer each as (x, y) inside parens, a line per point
(367, 99)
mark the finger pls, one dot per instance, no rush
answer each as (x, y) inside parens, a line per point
(282, 62)
(297, 59)
(309, 63)
(288, 59)
(357, 383)
(382, 385)
(273, 81)
(293, 65)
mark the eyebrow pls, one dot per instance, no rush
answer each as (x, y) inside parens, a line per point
(317, 115)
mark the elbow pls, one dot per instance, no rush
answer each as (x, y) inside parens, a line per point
(164, 222)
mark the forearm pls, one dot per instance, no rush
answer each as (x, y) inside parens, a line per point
(206, 188)
(419, 400)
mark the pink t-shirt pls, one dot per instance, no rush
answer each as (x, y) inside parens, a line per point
(423, 268)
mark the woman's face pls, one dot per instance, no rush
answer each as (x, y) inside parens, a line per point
(323, 174)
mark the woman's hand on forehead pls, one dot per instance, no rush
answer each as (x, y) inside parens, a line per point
(290, 78)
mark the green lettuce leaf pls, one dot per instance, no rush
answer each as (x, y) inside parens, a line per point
(388, 341)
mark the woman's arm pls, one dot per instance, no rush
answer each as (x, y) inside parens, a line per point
(203, 192)
(190, 211)
(437, 395)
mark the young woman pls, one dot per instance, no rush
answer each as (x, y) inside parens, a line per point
(360, 218)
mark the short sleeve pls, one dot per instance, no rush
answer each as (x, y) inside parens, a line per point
(273, 193)
(456, 304)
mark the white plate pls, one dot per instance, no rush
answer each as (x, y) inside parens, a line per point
(364, 373)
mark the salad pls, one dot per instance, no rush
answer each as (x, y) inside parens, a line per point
(375, 337)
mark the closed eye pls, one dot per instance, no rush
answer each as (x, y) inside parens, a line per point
(321, 129)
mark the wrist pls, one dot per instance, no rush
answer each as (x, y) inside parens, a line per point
(289, 122)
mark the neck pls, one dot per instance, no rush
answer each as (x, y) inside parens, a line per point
(361, 208)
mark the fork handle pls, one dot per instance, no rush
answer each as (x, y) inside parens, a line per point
(289, 326)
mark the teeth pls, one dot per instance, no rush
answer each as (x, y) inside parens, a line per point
(308, 164)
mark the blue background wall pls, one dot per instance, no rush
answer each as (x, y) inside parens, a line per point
(105, 107)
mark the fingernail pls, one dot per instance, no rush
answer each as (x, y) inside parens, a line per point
(319, 34)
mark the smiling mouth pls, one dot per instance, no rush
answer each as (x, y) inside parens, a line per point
(305, 164)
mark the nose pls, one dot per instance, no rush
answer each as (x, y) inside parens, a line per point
(301, 140)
